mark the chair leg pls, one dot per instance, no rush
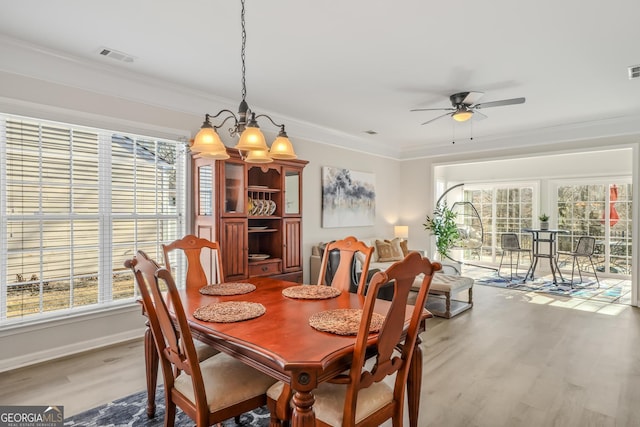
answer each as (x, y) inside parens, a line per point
(573, 267)
(594, 271)
(500, 266)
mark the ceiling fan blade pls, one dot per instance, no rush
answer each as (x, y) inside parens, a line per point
(477, 115)
(439, 117)
(472, 98)
(433, 109)
(500, 103)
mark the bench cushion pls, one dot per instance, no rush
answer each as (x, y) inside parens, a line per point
(445, 283)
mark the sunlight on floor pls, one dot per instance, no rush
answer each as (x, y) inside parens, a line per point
(601, 303)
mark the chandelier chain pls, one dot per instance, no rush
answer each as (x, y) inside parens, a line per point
(242, 54)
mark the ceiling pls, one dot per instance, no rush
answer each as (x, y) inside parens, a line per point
(343, 68)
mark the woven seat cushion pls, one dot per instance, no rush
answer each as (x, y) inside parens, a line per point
(227, 381)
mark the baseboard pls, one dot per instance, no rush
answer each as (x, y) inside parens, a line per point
(68, 350)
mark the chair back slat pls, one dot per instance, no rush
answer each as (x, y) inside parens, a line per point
(342, 275)
(196, 259)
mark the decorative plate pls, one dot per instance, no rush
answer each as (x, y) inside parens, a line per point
(258, 257)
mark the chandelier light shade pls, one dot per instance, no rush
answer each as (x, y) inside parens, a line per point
(208, 143)
(258, 156)
(281, 148)
(252, 139)
(252, 145)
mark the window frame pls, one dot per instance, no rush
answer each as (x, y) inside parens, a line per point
(104, 217)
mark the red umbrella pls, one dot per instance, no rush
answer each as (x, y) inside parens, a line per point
(613, 213)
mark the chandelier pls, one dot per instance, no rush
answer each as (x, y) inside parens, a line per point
(251, 145)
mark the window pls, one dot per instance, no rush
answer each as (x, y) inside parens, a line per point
(601, 209)
(503, 208)
(75, 203)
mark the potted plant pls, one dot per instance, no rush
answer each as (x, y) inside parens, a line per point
(443, 225)
(544, 221)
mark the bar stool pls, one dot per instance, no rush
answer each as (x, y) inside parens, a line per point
(510, 243)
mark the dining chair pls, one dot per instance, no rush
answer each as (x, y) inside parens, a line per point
(192, 247)
(359, 396)
(585, 248)
(341, 272)
(509, 243)
(209, 392)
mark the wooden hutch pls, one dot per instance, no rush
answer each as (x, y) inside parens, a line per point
(254, 211)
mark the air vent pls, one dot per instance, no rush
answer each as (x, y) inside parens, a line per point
(371, 132)
(634, 72)
(114, 54)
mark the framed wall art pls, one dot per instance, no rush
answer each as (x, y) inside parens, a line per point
(348, 198)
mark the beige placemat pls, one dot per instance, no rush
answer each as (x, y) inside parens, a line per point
(230, 311)
(343, 321)
(230, 288)
(311, 292)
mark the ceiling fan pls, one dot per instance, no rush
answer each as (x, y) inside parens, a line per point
(464, 106)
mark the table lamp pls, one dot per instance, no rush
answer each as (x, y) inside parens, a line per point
(401, 231)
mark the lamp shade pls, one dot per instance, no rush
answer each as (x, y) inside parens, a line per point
(208, 143)
(258, 156)
(282, 149)
(252, 139)
(401, 231)
(462, 115)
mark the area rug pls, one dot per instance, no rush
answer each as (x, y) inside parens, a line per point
(130, 411)
(610, 290)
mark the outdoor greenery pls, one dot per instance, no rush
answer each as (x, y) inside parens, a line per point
(443, 225)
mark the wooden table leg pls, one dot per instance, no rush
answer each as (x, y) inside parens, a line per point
(303, 415)
(414, 384)
(151, 361)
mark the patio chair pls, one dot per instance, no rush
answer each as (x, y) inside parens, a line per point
(585, 248)
(510, 243)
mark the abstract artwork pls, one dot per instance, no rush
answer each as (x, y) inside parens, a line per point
(348, 198)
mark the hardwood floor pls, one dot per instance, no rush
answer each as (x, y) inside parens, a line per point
(515, 359)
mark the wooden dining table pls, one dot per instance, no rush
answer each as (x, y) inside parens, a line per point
(282, 344)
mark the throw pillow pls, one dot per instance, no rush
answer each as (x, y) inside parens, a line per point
(388, 251)
(404, 245)
(396, 248)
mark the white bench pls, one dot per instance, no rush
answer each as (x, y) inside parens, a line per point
(444, 287)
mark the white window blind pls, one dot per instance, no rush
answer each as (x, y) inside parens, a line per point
(75, 203)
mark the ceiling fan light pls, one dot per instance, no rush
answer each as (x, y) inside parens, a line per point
(462, 115)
